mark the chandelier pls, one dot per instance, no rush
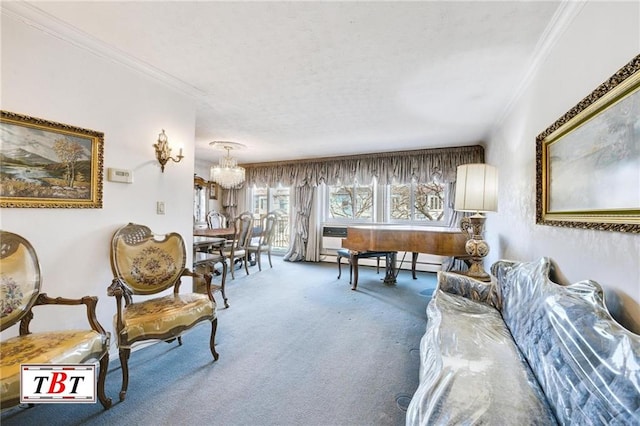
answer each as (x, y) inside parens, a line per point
(227, 173)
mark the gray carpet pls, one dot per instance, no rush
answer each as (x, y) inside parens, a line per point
(297, 347)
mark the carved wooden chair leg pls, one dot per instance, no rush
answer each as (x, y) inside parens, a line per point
(232, 264)
(223, 283)
(269, 254)
(246, 263)
(104, 366)
(259, 256)
(179, 340)
(212, 341)
(124, 363)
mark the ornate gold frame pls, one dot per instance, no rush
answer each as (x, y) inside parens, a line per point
(213, 191)
(623, 85)
(73, 181)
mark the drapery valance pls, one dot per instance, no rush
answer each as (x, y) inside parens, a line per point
(390, 167)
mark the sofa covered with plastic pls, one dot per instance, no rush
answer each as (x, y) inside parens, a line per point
(524, 350)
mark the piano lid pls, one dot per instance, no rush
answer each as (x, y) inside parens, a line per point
(420, 239)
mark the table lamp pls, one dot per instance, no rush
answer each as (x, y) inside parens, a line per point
(477, 192)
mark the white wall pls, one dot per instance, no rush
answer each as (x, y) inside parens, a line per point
(45, 77)
(602, 38)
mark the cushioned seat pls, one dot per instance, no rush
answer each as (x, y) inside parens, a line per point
(61, 347)
(160, 316)
(467, 346)
(20, 292)
(147, 264)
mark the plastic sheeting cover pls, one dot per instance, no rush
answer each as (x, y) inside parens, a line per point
(526, 351)
(471, 370)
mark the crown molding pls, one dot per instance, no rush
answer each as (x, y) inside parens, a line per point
(42, 21)
(562, 18)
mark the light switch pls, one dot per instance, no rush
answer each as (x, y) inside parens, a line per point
(160, 207)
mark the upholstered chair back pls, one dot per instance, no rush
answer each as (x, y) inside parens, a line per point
(19, 278)
(147, 263)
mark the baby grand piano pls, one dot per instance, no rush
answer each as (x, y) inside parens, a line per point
(414, 239)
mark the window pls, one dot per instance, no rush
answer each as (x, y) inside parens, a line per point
(351, 202)
(199, 205)
(264, 200)
(260, 201)
(417, 202)
(407, 203)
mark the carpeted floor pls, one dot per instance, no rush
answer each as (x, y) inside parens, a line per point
(297, 347)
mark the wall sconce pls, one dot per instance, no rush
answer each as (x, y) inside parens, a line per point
(163, 151)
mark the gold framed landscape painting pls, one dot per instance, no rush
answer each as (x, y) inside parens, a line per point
(49, 165)
(588, 161)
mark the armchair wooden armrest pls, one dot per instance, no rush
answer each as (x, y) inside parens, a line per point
(208, 279)
(89, 301)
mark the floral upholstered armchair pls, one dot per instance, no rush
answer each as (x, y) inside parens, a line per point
(145, 263)
(20, 281)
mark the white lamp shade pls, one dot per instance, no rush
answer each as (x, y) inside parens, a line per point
(476, 188)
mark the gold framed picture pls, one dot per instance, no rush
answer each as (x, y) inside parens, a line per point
(588, 161)
(49, 165)
(213, 191)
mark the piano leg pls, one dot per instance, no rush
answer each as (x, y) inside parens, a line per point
(414, 262)
(354, 268)
(390, 270)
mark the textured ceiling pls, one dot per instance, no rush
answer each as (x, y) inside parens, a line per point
(307, 79)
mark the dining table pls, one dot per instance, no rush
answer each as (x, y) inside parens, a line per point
(214, 232)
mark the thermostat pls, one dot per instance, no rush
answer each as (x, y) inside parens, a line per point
(120, 175)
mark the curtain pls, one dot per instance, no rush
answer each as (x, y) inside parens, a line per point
(391, 167)
(315, 227)
(230, 203)
(302, 203)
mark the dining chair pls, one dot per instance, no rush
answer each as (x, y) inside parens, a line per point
(236, 251)
(216, 220)
(144, 265)
(265, 239)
